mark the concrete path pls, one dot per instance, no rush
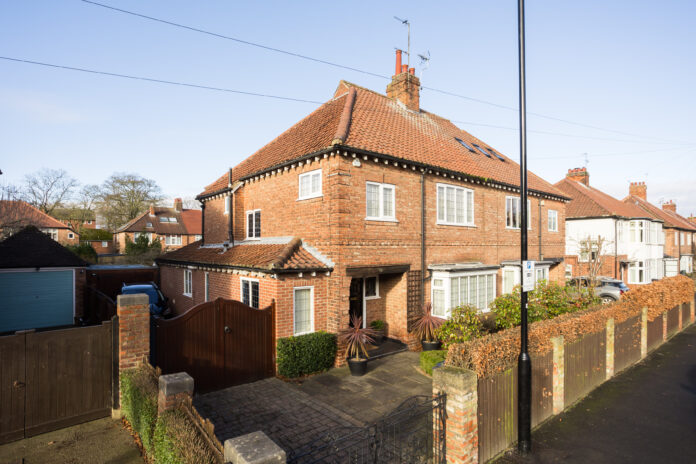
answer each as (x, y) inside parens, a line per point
(103, 441)
(647, 414)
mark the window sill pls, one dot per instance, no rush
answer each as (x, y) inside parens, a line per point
(310, 198)
(376, 297)
(470, 226)
(296, 334)
(188, 295)
(381, 219)
(253, 238)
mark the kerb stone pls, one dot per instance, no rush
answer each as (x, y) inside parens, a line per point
(253, 448)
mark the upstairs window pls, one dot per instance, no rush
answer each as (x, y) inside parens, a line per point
(682, 234)
(250, 292)
(553, 220)
(253, 225)
(513, 213)
(172, 240)
(310, 184)
(455, 205)
(53, 233)
(188, 282)
(637, 231)
(228, 202)
(380, 202)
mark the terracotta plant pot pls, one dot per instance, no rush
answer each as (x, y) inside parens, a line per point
(357, 367)
(431, 346)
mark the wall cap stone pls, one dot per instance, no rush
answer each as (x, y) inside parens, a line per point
(137, 299)
(253, 448)
(173, 384)
(456, 377)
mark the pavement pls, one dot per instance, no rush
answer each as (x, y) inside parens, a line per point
(294, 414)
(104, 441)
(646, 414)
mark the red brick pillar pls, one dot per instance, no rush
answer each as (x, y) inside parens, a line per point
(174, 389)
(133, 330)
(461, 423)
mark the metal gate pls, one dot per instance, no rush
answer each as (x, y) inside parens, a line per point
(220, 343)
(54, 379)
(412, 433)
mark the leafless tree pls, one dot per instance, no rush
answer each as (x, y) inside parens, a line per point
(593, 252)
(11, 218)
(47, 189)
(124, 196)
(191, 203)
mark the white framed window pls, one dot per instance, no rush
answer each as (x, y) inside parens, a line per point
(250, 292)
(542, 273)
(682, 234)
(53, 233)
(636, 272)
(310, 184)
(619, 231)
(253, 223)
(188, 283)
(513, 213)
(71, 235)
(676, 238)
(136, 236)
(207, 286)
(450, 290)
(228, 203)
(148, 225)
(511, 277)
(688, 239)
(303, 310)
(569, 271)
(172, 240)
(553, 220)
(636, 231)
(371, 288)
(197, 237)
(380, 202)
(455, 205)
(89, 221)
(105, 244)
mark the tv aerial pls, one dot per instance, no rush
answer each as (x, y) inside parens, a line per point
(408, 25)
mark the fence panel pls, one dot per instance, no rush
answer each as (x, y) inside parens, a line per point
(626, 343)
(672, 321)
(654, 333)
(98, 306)
(686, 314)
(12, 387)
(497, 413)
(585, 366)
(542, 387)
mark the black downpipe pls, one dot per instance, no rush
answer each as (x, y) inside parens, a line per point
(422, 282)
(541, 254)
(524, 364)
(616, 249)
(230, 213)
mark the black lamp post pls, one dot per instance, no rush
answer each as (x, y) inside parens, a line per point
(524, 363)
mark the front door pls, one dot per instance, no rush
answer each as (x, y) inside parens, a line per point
(356, 299)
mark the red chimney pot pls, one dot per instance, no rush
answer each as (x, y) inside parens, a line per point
(398, 62)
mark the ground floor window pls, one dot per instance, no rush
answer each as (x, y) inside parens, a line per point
(371, 287)
(542, 273)
(636, 272)
(250, 292)
(511, 277)
(686, 264)
(172, 240)
(450, 290)
(207, 287)
(303, 310)
(188, 282)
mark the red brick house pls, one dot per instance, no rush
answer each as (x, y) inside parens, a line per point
(371, 206)
(17, 214)
(679, 231)
(173, 227)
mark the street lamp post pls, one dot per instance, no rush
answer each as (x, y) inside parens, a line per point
(524, 363)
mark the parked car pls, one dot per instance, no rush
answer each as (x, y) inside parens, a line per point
(158, 302)
(608, 289)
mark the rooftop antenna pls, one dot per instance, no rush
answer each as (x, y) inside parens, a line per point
(408, 52)
(425, 62)
(587, 159)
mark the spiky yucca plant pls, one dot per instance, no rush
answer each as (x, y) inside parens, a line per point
(356, 338)
(427, 324)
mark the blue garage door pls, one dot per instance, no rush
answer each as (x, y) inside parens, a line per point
(35, 299)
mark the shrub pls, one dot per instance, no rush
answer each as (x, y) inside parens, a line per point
(95, 234)
(428, 359)
(463, 324)
(378, 325)
(139, 402)
(84, 251)
(178, 441)
(306, 354)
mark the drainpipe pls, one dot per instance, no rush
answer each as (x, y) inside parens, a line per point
(202, 223)
(541, 255)
(230, 219)
(422, 282)
(616, 248)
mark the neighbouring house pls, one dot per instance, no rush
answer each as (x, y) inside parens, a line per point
(17, 214)
(173, 227)
(78, 218)
(679, 231)
(633, 241)
(41, 282)
(369, 206)
(100, 239)
(102, 247)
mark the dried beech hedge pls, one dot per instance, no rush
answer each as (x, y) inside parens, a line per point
(497, 352)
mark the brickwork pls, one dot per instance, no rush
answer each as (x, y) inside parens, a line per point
(644, 332)
(558, 375)
(99, 247)
(610, 348)
(461, 422)
(174, 389)
(611, 267)
(134, 330)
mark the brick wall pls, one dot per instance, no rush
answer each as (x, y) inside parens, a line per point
(134, 330)
(102, 250)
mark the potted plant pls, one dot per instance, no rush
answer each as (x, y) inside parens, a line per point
(356, 338)
(426, 326)
(379, 327)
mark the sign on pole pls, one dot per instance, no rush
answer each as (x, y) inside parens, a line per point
(528, 279)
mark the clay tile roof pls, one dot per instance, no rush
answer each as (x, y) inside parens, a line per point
(671, 219)
(587, 201)
(259, 256)
(15, 213)
(188, 222)
(31, 248)
(362, 119)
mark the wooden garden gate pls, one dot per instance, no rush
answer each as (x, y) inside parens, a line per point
(220, 343)
(53, 379)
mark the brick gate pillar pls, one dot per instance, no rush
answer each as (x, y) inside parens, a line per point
(133, 330)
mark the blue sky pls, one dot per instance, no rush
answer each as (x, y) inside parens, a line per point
(625, 66)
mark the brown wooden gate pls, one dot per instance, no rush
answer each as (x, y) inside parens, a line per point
(53, 379)
(220, 343)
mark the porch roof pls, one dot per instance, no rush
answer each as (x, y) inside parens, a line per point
(458, 267)
(365, 271)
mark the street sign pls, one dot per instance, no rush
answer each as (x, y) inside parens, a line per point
(528, 276)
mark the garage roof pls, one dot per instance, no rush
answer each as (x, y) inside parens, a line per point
(31, 248)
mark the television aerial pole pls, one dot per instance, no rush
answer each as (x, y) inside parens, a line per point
(408, 51)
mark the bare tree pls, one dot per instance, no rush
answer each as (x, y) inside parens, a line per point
(11, 218)
(592, 251)
(124, 196)
(191, 203)
(47, 189)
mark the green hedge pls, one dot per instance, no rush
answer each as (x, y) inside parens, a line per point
(178, 441)
(95, 234)
(139, 403)
(306, 354)
(428, 359)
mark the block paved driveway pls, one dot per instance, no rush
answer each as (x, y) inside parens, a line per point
(294, 414)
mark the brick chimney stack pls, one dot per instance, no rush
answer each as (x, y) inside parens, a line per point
(580, 175)
(152, 210)
(405, 86)
(178, 205)
(638, 189)
(669, 206)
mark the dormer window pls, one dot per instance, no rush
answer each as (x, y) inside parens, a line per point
(148, 225)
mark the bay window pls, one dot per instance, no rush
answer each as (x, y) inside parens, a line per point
(450, 290)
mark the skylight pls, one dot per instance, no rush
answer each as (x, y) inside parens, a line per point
(481, 150)
(164, 219)
(495, 154)
(464, 144)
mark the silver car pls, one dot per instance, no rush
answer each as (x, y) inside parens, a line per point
(608, 289)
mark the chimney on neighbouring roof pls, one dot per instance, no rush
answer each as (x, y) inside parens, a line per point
(692, 219)
(405, 86)
(152, 210)
(638, 189)
(670, 206)
(580, 175)
(178, 205)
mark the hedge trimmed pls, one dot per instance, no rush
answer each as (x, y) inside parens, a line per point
(306, 354)
(178, 441)
(428, 359)
(139, 402)
(497, 352)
